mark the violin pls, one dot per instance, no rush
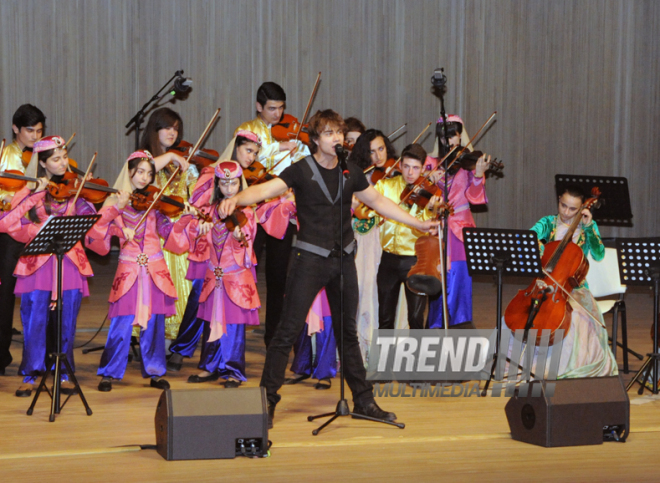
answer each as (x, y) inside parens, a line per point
(256, 173)
(62, 190)
(420, 192)
(288, 129)
(387, 170)
(467, 160)
(237, 219)
(26, 156)
(544, 303)
(94, 190)
(200, 158)
(10, 183)
(170, 206)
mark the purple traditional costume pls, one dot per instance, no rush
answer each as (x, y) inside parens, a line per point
(37, 277)
(464, 189)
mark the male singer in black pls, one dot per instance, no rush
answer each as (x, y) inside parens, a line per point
(316, 259)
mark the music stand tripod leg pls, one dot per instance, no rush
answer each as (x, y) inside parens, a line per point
(78, 389)
(41, 387)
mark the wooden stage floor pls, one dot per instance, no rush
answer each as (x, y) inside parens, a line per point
(452, 439)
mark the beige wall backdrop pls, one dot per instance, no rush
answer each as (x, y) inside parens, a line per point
(575, 84)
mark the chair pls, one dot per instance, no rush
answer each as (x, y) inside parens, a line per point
(603, 279)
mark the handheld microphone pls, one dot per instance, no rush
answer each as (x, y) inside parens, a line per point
(341, 156)
(181, 85)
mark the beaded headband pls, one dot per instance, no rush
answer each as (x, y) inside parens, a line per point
(249, 135)
(140, 154)
(452, 118)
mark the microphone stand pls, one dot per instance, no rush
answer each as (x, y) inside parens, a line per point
(439, 81)
(138, 118)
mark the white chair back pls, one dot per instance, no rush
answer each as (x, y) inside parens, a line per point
(603, 276)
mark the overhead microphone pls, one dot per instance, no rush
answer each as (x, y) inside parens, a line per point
(181, 85)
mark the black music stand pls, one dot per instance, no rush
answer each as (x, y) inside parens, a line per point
(615, 209)
(639, 264)
(58, 236)
(495, 251)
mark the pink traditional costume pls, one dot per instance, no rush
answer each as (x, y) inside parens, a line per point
(37, 275)
(190, 330)
(464, 189)
(142, 293)
(228, 300)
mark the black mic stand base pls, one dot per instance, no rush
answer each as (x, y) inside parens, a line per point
(342, 410)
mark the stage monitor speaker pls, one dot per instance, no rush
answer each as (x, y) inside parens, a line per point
(196, 424)
(580, 412)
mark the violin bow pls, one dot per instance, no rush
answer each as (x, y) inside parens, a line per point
(69, 167)
(66, 144)
(267, 171)
(178, 168)
(82, 184)
(396, 131)
(387, 173)
(309, 105)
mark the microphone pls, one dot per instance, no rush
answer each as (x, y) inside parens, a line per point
(439, 79)
(181, 85)
(341, 155)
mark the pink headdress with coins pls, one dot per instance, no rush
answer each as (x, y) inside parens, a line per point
(228, 170)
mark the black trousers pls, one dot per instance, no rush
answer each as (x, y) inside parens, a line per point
(308, 274)
(10, 250)
(278, 253)
(392, 272)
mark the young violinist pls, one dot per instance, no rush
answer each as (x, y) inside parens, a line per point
(228, 299)
(398, 243)
(163, 131)
(372, 148)
(316, 261)
(585, 349)
(274, 156)
(143, 292)
(28, 124)
(270, 105)
(464, 188)
(243, 148)
(36, 277)
(355, 129)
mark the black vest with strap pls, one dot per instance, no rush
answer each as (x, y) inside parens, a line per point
(319, 212)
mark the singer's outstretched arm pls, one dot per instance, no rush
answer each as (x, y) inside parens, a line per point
(388, 209)
(252, 195)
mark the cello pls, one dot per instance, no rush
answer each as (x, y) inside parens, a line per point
(544, 303)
